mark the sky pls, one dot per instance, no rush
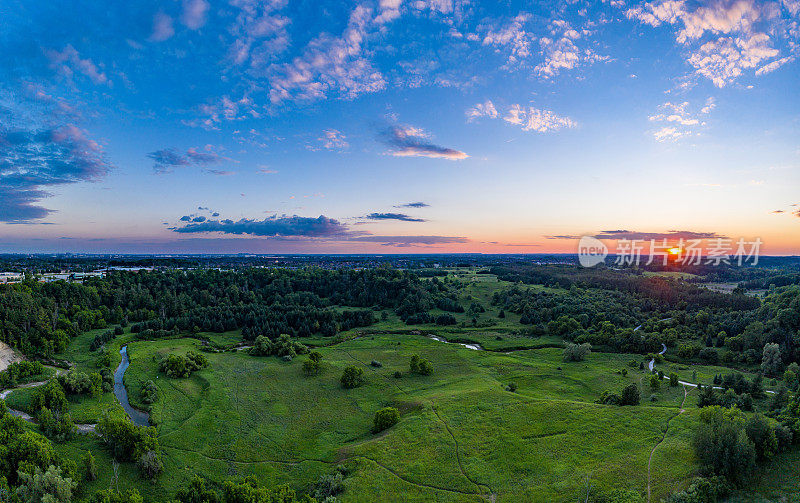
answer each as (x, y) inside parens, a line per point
(396, 126)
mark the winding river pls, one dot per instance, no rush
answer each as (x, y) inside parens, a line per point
(138, 417)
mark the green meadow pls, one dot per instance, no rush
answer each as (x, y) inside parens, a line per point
(461, 435)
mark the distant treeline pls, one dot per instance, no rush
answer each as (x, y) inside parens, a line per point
(40, 318)
(664, 291)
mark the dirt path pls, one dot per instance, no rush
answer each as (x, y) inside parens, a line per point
(82, 428)
(650, 459)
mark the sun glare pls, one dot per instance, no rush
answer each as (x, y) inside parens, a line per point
(675, 251)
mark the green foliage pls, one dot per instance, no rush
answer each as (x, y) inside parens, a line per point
(248, 490)
(311, 367)
(128, 442)
(702, 490)
(109, 496)
(50, 396)
(722, 445)
(577, 352)
(352, 377)
(197, 491)
(80, 383)
(790, 416)
(425, 367)
(59, 427)
(21, 448)
(413, 365)
(177, 366)
(19, 371)
(330, 485)
(655, 382)
(762, 433)
(283, 345)
(420, 366)
(673, 379)
(792, 376)
(49, 486)
(89, 466)
(148, 392)
(771, 362)
(629, 395)
(385, 418)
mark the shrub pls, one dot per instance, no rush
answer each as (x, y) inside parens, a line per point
(50, 396)
(576, 352)
(128, 442)
(376, 364)
(89, 466)
(414, 364)
(673, 379)
(425, 367)
(385, 418)
(397, 374)
(176, 366)
(609, 398)
(330, 485)
(722, 446)
(655, 382)
(352, 377)
(148, 392)
(630, 395)
(150, 464)
(311, 367)
(80, 383)
(512, 387)
(281, 346)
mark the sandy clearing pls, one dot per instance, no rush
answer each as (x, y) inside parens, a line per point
(8, 356)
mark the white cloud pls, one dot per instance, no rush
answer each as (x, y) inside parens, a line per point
(669, 134)
(512, 36)
(725, 38)
(676, 120)
(162, 27)
(194, 13)
(485, 109)
(528, 118)
(330, 65)
(536, 119)
(561, 52)
(724, 59)
(68, 61)
(333, 139)
(389, 11)
(260, 33)
(771, 67)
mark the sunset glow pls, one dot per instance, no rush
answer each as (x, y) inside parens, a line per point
(395, 127)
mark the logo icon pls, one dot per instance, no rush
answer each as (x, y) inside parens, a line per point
(591, 251)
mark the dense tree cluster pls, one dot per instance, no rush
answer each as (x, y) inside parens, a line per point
(177, 366)
(128, 442)
(283, 345)
(23, 452)
(40, 318)
(17, 372)
(240, 490)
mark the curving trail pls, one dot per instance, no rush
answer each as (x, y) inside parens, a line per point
(663, 437)
(83, 428)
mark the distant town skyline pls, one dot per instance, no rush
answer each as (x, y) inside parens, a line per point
(394, 126)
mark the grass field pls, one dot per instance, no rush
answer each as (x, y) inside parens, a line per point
(461, 436)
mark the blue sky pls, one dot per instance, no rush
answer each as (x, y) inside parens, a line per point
(276, 126)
